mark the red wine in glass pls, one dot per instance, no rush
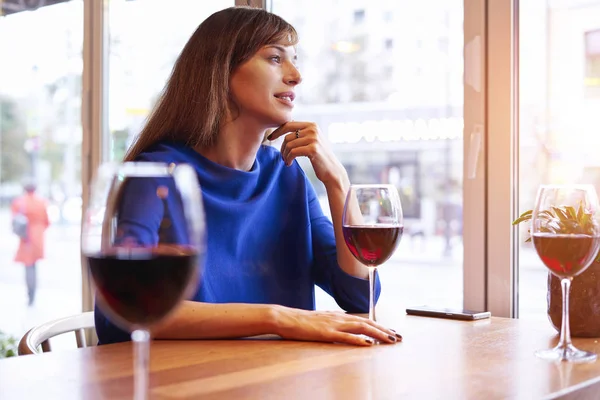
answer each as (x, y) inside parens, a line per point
(372, 225)
(372, 245)
(143, 287)
(566, 255)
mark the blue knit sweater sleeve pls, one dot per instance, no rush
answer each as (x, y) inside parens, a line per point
(350, 293)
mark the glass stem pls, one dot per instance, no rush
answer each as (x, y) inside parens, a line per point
(565, 329)
(141, 357)
(372, 293)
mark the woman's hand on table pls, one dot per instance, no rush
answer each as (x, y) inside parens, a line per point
(330, 326)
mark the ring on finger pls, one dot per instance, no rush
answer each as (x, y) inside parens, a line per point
(297, 133)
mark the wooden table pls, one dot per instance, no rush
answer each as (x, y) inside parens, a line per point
(439, 359)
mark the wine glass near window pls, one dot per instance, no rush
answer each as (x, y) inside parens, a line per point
(143, 238)
(566, 236)
(372, 225)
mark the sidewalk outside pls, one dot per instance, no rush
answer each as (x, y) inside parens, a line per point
(58, 279)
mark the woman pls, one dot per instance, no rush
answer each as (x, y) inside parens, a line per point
(268, 242)
(31, 244)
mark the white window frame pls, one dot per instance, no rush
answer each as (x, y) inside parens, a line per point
(491, 173)
(92, 113)
(502, 157)
(475, 156)
(490, 193)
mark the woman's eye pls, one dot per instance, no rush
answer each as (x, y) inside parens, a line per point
(277, 59)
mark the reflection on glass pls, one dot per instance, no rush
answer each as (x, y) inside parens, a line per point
(384, 82)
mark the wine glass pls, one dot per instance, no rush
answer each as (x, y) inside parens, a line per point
(566, 236)
(144, 240)
(372, 226)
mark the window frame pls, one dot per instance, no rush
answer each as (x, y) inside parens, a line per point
(93, 118)
(475, 156)
(503, 162)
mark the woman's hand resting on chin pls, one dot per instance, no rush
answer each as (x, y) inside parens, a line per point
(304, 139)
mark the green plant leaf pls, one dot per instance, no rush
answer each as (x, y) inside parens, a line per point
(562, 220)
(586, 219)
(523, 217)
(546, 214)
(561, 214)
(571, 212)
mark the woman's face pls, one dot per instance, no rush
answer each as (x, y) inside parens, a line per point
(262, 88)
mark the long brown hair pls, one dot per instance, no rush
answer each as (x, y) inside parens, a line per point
(196, 98)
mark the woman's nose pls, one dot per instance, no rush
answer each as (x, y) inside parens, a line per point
(293, 76)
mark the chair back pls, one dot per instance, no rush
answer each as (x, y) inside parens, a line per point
(40, 335)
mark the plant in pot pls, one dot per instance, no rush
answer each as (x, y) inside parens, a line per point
(8, 346)
(584, 307)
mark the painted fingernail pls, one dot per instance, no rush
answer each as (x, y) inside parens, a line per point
(392, 338)
(369, 341)
(399, 336)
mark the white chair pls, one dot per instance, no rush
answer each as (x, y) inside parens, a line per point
(40, 335)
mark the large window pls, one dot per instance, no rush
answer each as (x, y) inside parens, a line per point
(40, 142)
(559, 119)
(384, 82)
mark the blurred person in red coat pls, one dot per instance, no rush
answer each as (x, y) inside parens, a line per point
(31, 211)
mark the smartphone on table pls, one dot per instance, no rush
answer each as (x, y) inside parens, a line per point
(450, 313)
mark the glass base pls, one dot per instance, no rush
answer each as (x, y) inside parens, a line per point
(566, 353)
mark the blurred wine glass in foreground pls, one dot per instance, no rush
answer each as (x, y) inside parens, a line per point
(143, 237)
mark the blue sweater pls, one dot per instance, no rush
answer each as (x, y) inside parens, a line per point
(268, 240)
